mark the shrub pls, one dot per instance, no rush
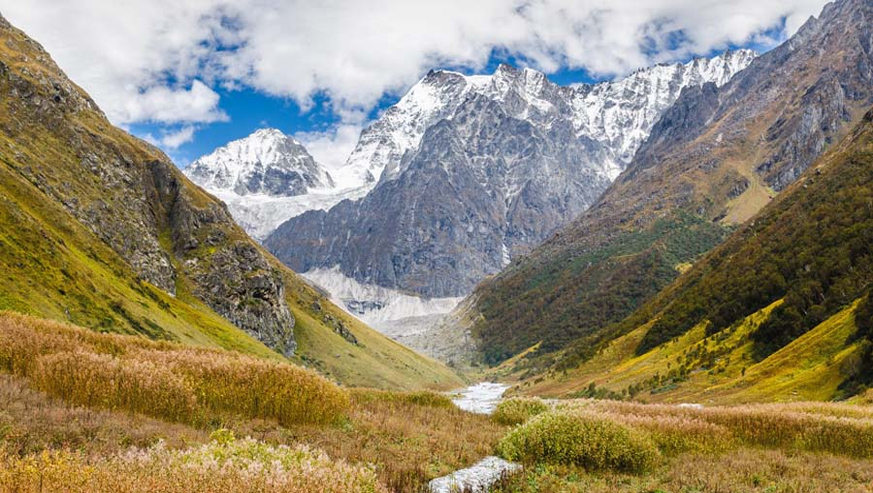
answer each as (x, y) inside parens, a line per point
(518, 410)
(580, 438)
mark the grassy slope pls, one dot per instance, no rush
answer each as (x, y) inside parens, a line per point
(52, 266)
(571, 296)
(809, 368)
(713, 334)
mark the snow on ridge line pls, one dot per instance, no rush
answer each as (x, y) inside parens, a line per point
(260, 214)
(373, 304)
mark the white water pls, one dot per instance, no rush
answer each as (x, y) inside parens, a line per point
(480, 398)
(477, 479)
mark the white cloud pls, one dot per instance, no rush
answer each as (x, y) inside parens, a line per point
(172, 139)
(331, 147)
(168, 105)
(159, 60)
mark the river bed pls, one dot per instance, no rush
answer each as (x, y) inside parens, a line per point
(481, 398)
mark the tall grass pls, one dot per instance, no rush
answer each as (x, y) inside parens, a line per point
(840, 429)
(224, 465)
(161, 379)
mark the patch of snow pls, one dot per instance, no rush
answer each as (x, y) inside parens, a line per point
(260, 214)
(374, 304)
(505, 257)
(481, 398)
(476, 479)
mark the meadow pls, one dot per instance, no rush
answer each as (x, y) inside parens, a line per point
(85, 411)
(77, 406)
(611, 446)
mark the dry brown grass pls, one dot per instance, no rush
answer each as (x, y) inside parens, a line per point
(741, 471)
(224, 465)
(32, 422)
(409, 438)
(408, 443)
(841, 429)
(165, 380)
(99, 386)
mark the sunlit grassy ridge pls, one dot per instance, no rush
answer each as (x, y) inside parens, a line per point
(696, 367)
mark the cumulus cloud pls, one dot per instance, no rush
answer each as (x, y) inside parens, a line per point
(331, 147)
(160, 60)
(172, 139)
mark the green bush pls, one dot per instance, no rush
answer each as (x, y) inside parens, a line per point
(580, 438)
(518, 410)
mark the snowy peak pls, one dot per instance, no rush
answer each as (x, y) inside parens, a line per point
(383, 144)
(266, 162)
(618, 114)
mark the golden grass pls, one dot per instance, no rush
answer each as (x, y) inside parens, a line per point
(32, 422)
(165, 380)
(840, 429)
(741, 471)
(224, 465)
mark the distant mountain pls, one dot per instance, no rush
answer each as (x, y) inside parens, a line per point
(265, 179)
(100, 229)
(714, 159)
(266, 162)
(471, 172)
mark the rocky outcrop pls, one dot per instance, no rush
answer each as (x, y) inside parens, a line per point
(133, 198)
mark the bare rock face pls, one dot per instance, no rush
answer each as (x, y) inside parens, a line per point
(133, 198)
(474, 171)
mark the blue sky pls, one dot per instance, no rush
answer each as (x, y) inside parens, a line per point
(193, 75)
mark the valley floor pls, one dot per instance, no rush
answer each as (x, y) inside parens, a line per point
(123, 425)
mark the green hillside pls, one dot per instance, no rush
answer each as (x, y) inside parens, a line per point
(99, 229)
(780, 311)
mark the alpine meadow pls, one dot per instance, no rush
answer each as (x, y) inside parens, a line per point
(504, 246)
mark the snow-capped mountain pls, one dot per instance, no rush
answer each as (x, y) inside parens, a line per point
(468, 172)
(619, 114)
(265, 179)
(266, 162)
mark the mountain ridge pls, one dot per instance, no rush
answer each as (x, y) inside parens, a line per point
(702, 162)
(497, 171)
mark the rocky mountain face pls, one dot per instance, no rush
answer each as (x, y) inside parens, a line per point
(715, 158)
(783, 309)
(473, 171)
